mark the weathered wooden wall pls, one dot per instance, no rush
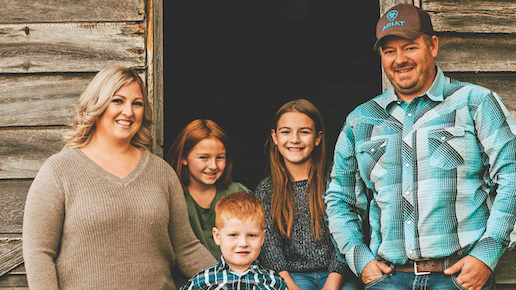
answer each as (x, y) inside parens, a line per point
(49, 51)
(477, 44)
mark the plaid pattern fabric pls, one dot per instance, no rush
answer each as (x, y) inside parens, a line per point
(220, 276)
(442, 172)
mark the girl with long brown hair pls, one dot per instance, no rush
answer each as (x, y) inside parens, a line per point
(298, 243)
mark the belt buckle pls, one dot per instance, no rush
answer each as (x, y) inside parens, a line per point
(416, 271)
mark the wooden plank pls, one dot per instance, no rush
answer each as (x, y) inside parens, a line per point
(155, 71)
(501, 83)
(23, 151)
(14, 281)
(70, 47)
(477, 52)
(477, 16)
(19, 270)
(13, 193)
(36, 100)
(6, 244)
(505, 271)
(41, 100)
(27, 11)
(11, 258)
(10, 254)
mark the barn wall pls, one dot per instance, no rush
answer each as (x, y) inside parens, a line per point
(49, 51)
(476, 44)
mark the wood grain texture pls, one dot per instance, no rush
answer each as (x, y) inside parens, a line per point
(14, 281)
(501, 83)
(477, 16)
(39, 100)
(23, 151)
(13, 193)
(11, 258)
(155, 71)
(28, 11)
(477, 52)
(18, 270)
(70, 47)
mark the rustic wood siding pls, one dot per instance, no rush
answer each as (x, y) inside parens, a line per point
(34, 11)
(70, 47)
(49, 51)
(472, 16)
(477, 41)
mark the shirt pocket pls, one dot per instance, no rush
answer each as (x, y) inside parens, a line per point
(446, 147)
(371, 158)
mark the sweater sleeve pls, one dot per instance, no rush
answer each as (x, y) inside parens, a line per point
(335, 264)
(191, 255)
(272, 255)
(42, 229)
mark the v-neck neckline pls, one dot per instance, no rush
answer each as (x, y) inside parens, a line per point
(98, 170)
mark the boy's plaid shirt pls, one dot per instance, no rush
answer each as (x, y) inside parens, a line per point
(442, 170)
(220, 276)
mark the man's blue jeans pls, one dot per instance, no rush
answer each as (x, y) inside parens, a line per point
(407, 280)
(316, 280)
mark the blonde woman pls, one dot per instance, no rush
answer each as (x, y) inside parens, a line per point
(105, 213)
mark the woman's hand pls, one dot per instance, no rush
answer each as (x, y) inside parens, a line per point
(334, 281)
(291, 285)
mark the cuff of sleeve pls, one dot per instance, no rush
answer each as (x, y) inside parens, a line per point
(488, 251)
(358, 257)
(336, 266)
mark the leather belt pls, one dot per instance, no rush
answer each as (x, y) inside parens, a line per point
(425, 267)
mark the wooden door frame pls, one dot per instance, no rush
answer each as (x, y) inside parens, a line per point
(154, 68)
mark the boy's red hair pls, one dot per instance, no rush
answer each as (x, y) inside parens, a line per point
(239, 205)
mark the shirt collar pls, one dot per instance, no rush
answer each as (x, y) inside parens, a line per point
(435, 92)
(225, 266)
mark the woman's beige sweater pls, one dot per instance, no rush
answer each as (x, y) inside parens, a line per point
(85, 228)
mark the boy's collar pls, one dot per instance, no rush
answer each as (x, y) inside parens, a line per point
(223, 265)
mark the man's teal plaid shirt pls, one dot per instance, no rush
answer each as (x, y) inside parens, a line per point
(442, 171)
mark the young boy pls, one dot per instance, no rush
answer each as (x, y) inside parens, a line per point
(239, 232)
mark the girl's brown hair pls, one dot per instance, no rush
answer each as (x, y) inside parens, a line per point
(283, 205)
(192, 134)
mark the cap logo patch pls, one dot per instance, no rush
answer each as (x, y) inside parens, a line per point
(392, 24)
(391, 15)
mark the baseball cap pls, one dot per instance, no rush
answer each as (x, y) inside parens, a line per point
(404, 20)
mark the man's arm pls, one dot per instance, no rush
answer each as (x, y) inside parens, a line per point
(345, 196)
(496, 131)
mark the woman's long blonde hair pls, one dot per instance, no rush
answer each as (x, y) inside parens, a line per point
(283, 204)
(96, 98)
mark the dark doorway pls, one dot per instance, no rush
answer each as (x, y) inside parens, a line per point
(236, 62)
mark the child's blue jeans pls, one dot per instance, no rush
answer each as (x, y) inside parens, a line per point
(316, 280)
